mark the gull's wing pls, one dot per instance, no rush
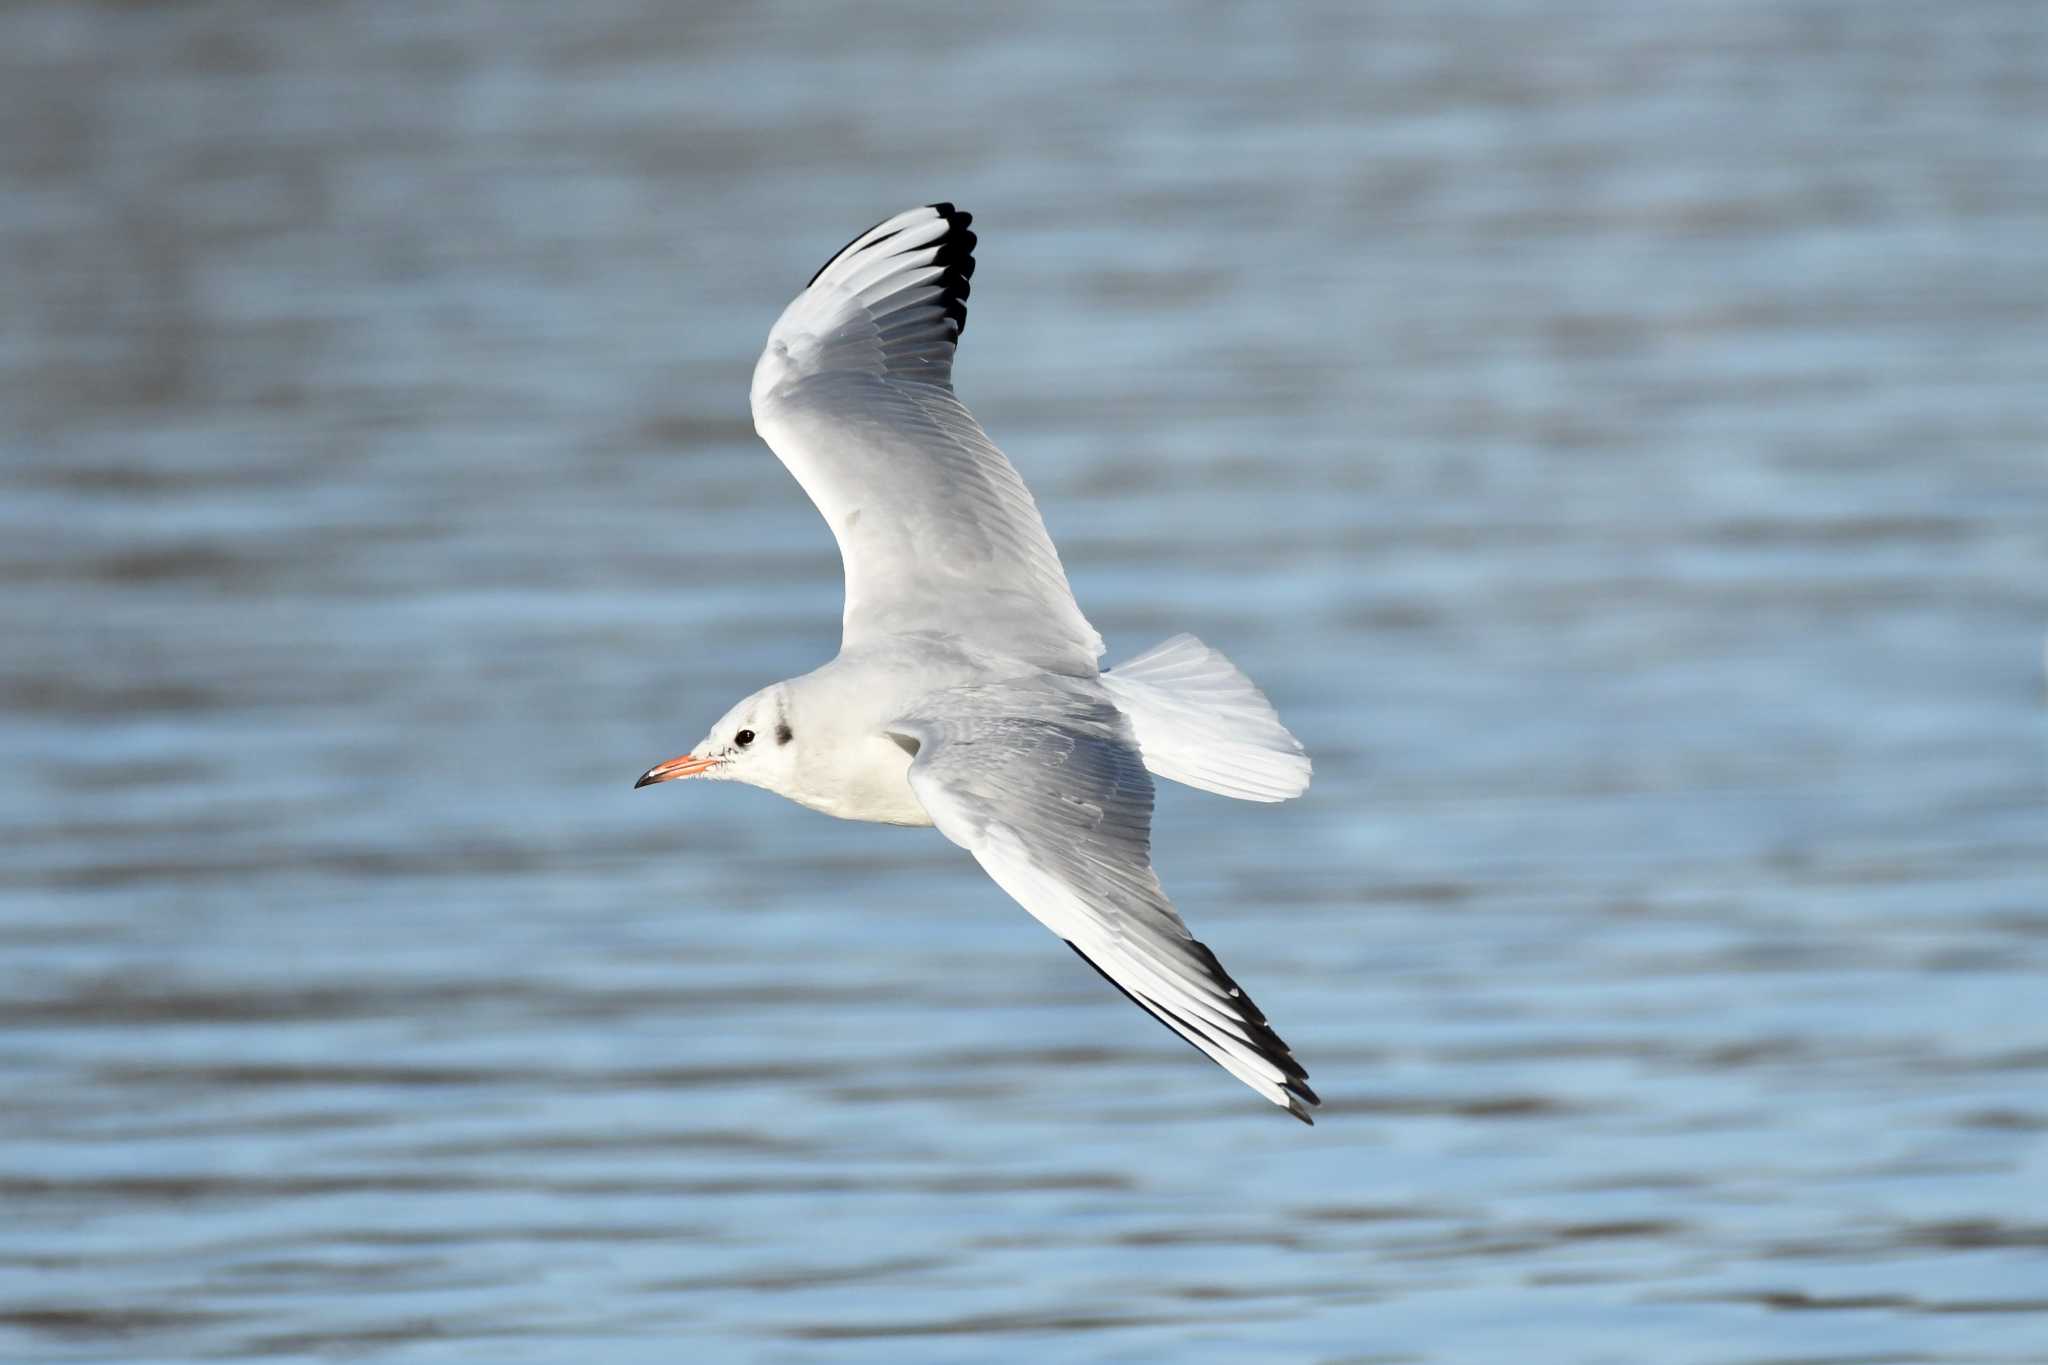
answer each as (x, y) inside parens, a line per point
(855, 394)
(1041, 781)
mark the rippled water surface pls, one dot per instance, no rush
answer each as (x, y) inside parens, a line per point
(1615, 435)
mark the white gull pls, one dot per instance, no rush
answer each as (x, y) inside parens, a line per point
(967, 692)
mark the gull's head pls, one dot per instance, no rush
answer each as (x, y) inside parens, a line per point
(751, 743)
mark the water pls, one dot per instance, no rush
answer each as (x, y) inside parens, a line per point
(1612, 434)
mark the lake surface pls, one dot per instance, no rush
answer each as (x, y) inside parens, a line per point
(1615, 436)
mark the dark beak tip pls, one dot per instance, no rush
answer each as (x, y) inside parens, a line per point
(646, 780)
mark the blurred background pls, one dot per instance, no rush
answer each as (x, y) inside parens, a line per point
(1616, 436)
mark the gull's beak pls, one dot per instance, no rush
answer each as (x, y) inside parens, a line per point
(689, 765)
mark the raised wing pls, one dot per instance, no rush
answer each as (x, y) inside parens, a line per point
(1041, 781)
(855, 394)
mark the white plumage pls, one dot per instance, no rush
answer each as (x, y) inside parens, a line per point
(966, 693)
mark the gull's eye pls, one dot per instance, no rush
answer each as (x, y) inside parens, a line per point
(743, 738)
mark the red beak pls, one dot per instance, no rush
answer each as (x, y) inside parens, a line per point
(689, 765)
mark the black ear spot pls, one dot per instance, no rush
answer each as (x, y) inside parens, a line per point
(782, 734)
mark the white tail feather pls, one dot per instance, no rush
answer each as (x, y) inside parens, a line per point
(1200, 721)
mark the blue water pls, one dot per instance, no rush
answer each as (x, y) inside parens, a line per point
(1616, 437)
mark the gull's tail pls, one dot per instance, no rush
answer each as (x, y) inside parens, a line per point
(1200, 721)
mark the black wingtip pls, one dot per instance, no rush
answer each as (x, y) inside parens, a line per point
(1300, 1098)
(956, 254)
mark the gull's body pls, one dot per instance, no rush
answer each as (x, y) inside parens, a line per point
(967, 693)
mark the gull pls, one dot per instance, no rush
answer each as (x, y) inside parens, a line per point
(967, 692)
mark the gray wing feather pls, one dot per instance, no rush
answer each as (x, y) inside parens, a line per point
(1042, 782)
